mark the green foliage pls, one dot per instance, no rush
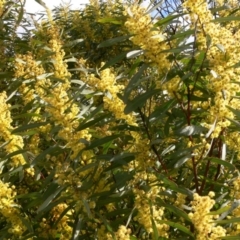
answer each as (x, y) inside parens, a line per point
(115, 124)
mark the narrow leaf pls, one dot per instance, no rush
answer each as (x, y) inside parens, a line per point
(112, 20)
(167, 19)
(227, 19)
(134, 54)
(139, 101)
(113, 41)
(29, 126)
(178, 226)
(49, 199)
(134, 81)
(227, 221)
(114, 60)
(219, 211)
(222, 162)
(101, 141)
(155, 231)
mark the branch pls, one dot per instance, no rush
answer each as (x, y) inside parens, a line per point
(153, 146)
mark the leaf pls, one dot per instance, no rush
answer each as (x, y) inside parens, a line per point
(139, 101)
(162, 109)
(7, 74)
(155, 231)
(235, 204)
(54, 150)
(29, 126)
(221, 48)
(134, 54)
(27, 115)
(133, 238)
(178, 49)
(86, 205)
(190, 130)
(120, 161)
(90, 165)
(53, 190)
(199, 59)
(130, 216)
(20, 15)
(113, 61)
(41, 3)
(184, 34)
(109, 228)
(117, 21)
(27, 223)
(230, 238)
(28, 236)
(219, 211)
(173, 186)
(29, 195)
(182, 160)
(167, 19)
(177, 211)
(113, 41)
(199, 99)
(52, 205)
(178, 226)
(44, 76)
(5, 143)
(76, 229)
(226, 19)
(170, 148)
(235, 111)
(222, 162)
(20, 151)
(227, 221)
(74, 42)
(78, 82)
(101, 141)
(134, 82)
(234, 121)
(167, 126)
(9, 173)
(72, 59)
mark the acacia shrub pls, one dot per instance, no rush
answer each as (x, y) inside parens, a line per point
(116, 125)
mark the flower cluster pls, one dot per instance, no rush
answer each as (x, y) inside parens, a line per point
(222, 53)
(172, 86)
(15, 142)
(10, 210)
(62, 229)
(145, 203)
(151, 41)
(62, 110)
(140, 146)
(60, 66)
(235, 194)
(107, 84)
(203, 220)
(123, 233)
(2, 4)
(181, 200)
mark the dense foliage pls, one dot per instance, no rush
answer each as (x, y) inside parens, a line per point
(120, 122)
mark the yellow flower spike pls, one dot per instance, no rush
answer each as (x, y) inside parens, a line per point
(107, 81)
(2, 5)
(7, 211)
(15, 141)
(140, 25)
(202, 221)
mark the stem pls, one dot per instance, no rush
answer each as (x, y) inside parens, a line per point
(153, 146)
(219, 165)
(207, 169)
